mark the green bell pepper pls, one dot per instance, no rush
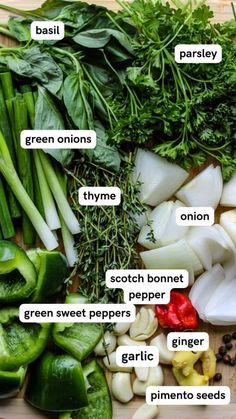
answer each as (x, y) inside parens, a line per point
(17, 273)
(20, 343)
(56, 384)
(11, 382)
(99, 400)
(52, 270)
(78, 339)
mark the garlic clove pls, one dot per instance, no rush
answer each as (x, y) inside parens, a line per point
(155, 378)
(165, 356)
(110, 363)
(125, 340)
(146, 412)
(106, 345)
(121, 387)
(121, 328)
(144, 325)
(141, 373)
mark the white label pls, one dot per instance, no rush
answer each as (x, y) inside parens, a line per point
(186, 395)
(47, 31)
(195, 216)
(137, 356)
(96, 195)
(147, 286)
(76, 313)
(188, 341)
(198, 53)
(57, 139)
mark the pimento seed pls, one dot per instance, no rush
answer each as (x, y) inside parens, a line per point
(227, 338)
(229, 346)
(218, 376)
(222, 350)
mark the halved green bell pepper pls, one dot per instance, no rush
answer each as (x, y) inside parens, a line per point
(99, 400)
(20, 343)
(17, 273)
(56, 384)
(52, 270)
(11, 382)
(78, 339)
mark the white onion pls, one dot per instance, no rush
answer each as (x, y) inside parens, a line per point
(159, 178)
(204, 287)
(228, 222)
(228, 198)
(163, 225)
(204, 190)
(174, 256)
(141, 219)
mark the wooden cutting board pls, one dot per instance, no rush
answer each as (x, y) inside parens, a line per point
(18, 409)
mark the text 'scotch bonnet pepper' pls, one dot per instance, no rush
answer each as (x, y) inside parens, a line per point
(17, 273)
(179, 314)
(78, 339)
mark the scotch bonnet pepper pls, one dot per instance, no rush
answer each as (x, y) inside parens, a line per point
(20, 343)
(179, 314)
(56, 384)
(78, 339)
(17, 273)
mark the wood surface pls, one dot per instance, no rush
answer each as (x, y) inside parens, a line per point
(18, 409)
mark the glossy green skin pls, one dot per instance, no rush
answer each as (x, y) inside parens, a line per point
(78, 339)
(11, 382)
(20, 343)
(17, 273)
(56, 384)
(100, 406)
(52, 270)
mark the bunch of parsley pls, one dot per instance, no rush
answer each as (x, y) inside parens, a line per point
(185, 112)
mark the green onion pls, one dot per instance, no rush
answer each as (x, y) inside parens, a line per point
(50, 211)
(7, 227)
(8, 171)
(57, 191)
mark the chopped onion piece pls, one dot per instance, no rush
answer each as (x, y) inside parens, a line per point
(204, 287)
(228, 222)
(204, 190)
(141, 219)
(162, 222)
(159, 178)
(228, 198)
(174, 256)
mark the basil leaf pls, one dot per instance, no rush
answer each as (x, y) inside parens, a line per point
(34, 63)
(20, 28)
(99, 38)
(75, 95)
(50, 9)
(47, 116)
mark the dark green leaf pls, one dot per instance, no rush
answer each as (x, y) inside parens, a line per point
(48, 117)
(34, 63)
(20, 28)
(99, 38)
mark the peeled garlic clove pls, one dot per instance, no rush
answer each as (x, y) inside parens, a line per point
(144, 325)
(146, 412)
(121, 328)
(155, 378)
(125, 340)
(165, 356)
(121, 387)
(141, 373)
(111, 365)
(106, 345)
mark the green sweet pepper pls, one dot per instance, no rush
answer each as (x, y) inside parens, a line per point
(20, 343)
(17, 273)
(57, 384)
(99, 400)
(78, 339)
(11, 382)
(52, 270)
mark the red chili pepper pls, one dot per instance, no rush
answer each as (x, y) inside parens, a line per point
(179, 314)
